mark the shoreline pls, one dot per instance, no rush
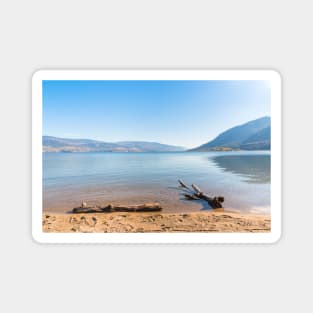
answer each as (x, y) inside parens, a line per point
(213, 221)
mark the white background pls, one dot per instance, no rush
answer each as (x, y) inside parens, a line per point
(155, 34)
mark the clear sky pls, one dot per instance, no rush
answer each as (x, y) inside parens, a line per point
(184, 113)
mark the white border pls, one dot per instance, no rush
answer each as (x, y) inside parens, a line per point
(275, 81)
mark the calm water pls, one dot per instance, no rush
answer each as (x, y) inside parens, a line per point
(243, 178)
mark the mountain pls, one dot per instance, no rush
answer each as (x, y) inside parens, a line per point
(55, 144)
(253, 135)
(261, 140)
(150, 146)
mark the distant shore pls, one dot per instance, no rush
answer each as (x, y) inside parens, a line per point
(224, 222)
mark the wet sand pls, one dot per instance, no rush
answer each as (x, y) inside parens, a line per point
(213, 221)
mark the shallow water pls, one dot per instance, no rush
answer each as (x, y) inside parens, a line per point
(243, 178)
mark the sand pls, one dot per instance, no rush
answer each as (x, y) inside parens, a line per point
(213, 221)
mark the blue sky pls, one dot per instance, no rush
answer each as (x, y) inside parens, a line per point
(185, 113)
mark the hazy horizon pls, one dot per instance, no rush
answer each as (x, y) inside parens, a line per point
(180, 113)
(123, 141)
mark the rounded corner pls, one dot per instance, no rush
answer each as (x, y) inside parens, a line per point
(276, 238)
(36, 238)
(37, 75)
(275, 75)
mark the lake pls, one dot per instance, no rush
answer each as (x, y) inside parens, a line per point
(242, 177)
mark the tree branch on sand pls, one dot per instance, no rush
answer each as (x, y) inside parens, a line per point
(195, 193)
(147, 207)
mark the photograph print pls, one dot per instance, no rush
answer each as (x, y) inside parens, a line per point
(179, 155)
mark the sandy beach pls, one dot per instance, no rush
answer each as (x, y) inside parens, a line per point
(156, 222)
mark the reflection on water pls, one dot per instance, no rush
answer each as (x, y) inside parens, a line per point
(242, 177)
(254, 169)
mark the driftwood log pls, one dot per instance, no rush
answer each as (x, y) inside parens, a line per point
(195, 193)
(147, 207)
